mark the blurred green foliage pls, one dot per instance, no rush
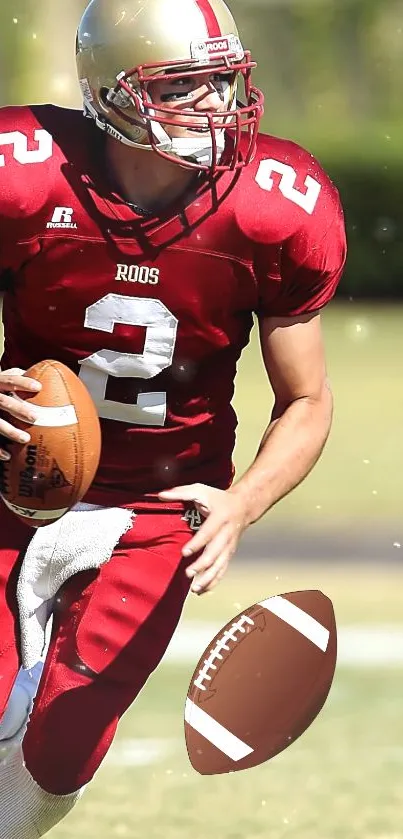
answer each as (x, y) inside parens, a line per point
(330, 70)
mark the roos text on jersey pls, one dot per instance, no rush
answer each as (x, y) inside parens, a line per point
(137, 274)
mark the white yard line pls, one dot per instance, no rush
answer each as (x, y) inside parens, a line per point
(358, 646)
(142, 752)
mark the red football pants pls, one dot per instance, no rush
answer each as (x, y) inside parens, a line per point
(110, 630)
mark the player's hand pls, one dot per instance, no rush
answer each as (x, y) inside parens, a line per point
(218, 536)
(11, 382)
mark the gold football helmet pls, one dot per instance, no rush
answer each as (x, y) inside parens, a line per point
(124, 46)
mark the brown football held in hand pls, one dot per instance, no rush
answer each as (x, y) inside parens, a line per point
(48, 475)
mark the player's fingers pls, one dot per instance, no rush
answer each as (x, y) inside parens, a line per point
(216, 579)
(189, 492)
(12, 371)
(204, 535)
(181, 493)
(217, 569)
(13, 380)
(210, 555)
(18, 408)
(205, 581)
(12, 433)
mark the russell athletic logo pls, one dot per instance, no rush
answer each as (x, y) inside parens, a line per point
(62, 218)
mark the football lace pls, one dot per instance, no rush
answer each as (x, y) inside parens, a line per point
(229, 635)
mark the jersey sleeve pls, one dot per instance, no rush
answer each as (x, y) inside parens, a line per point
(26, 149)
(308, 267)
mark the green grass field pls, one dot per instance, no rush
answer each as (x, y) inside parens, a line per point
(342, 778)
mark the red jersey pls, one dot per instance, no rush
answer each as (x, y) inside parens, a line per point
(153, 313)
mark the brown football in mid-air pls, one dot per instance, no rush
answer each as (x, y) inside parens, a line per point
(47, 476)
(261, 682)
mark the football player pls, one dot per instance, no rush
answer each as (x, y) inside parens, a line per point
(138, 241)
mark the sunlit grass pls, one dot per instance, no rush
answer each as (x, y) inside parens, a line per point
(340, 780)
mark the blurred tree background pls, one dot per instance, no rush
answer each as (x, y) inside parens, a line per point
(331, 72)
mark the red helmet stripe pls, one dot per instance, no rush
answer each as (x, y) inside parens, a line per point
(209, 15)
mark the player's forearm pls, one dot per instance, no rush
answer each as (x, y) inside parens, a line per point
(290, 447)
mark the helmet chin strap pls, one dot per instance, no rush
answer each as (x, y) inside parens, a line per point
(198, 149)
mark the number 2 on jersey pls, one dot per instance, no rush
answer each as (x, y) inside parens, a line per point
(306, 200)
(21, 153)
(161, 328)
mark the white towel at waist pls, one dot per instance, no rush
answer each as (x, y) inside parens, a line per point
(81, 540)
